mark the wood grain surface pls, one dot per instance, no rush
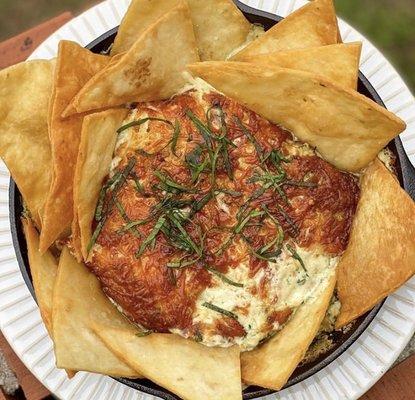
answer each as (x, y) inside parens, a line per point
(397, 384)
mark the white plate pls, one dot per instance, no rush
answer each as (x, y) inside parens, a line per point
(348, 377)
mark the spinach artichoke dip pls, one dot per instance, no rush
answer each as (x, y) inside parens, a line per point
(214, 223)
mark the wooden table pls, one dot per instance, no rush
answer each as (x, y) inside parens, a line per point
(397, 384)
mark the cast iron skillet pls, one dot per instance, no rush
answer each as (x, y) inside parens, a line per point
(342, 341)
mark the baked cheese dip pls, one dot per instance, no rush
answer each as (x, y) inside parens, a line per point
(214, 223)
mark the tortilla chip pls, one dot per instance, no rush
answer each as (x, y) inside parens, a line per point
(313, 25)
(337, 62)
(272, 364)
(25, 91)
(186, 368)
(217, 33)
(346, 127)
(151, 70)
(99, 134)
(381, 252)
(75, 66)
(43, 268)
(77, 299)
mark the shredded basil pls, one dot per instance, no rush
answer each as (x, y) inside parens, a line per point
(219, 310)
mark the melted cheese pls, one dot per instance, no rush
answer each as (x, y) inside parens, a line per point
(289, 285)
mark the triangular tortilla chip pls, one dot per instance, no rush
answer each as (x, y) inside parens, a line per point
(381, 252)
(272, 364)
(337, 62)
(77, 299)
(75, 66)
(186, 368)
(313, 25)
(43, 268)
(25, 91)
(217, 33)
(99, 134)
(151, 70)
(346, 127)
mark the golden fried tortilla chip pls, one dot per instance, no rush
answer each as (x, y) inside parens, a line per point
(151, 70)
(75, 66)
(271, 364)
(43, 268)
(77, 299)
(313, 25)
(217, 33)
(337, 62)
(99, 134)
(346, 127)
(186, 368)
(25, 91)
(380, 256)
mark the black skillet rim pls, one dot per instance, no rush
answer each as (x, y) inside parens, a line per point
(406, 174)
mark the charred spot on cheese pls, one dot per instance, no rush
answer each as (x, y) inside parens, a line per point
(214, 223)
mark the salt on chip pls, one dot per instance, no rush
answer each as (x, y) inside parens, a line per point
(99, 134)
(347, 128)
(337, 62)
(271, 364)
(75, 67)
(217, 33)
(314, 24)
(380, 256)
(188, 369)
(152, 69)
(25, 91)
(77, 299)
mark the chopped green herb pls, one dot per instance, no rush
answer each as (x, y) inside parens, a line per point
(223, 277)
(241, 224)
(297, 257)
(251, 138)
(175, 137)
(294, 229)
(182, 264)
(133, 224)
(141, 122)
(138, 186)
(198, 205)
(96, 233)
(170, 183)
(151, 236)
(301, 184)
(219, 310)
(203, 130)
(126, 218)
(185, 237)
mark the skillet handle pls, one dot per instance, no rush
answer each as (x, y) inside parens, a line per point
(408, 170)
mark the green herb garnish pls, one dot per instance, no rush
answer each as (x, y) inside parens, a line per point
(251, 138)
(219, 310)
(169, 183)
(156, 229)
(176, 132)
(96, 233)
(223, 277)
(294, 229)
(297, 257)
(141, 122)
